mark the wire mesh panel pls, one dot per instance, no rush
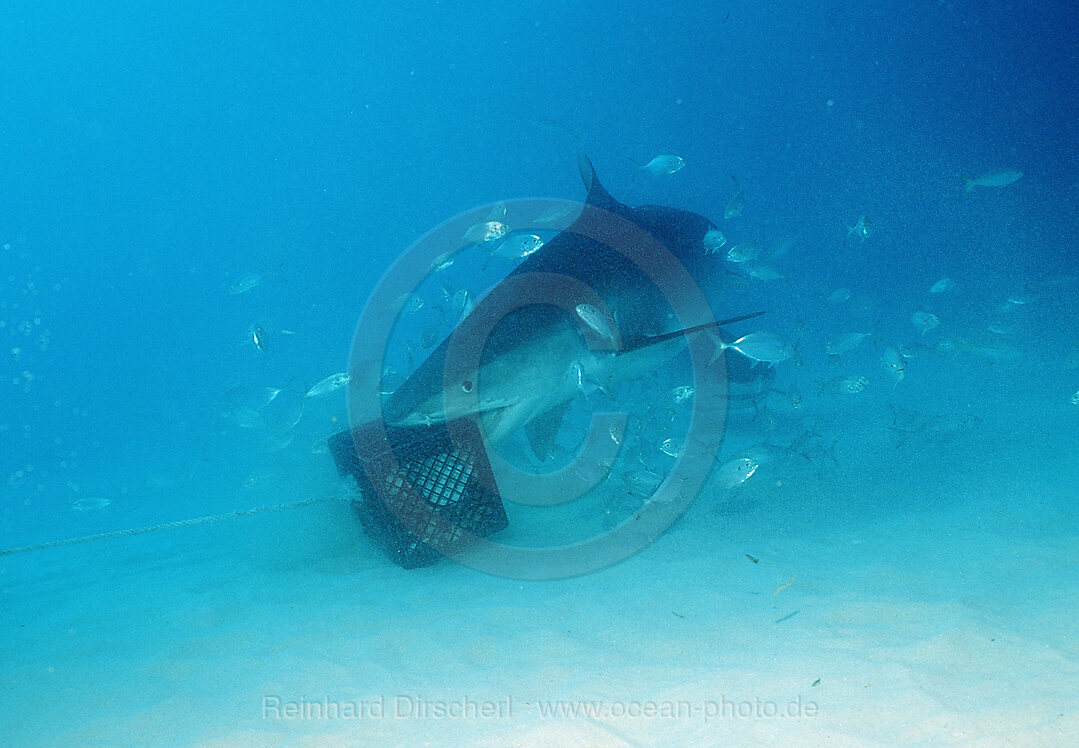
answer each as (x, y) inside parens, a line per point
(423, 495)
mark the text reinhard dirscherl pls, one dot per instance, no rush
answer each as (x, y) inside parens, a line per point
(467, 708)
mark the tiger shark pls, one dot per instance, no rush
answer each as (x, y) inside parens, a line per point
(527, 348)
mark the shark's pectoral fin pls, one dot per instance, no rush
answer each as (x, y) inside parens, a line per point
(630, 344)
(542, 430)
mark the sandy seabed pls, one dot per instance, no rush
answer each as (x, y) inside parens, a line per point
(923, 597)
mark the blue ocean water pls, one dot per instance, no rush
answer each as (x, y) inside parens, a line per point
(173, 178)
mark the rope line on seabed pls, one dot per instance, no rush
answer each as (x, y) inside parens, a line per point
(168, 525)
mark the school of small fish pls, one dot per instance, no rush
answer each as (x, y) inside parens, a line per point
(867, 358)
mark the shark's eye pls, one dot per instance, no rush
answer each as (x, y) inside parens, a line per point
(466, 386)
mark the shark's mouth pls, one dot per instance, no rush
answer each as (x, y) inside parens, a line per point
(425, 491)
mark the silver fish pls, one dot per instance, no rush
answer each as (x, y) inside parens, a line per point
(670, 447)
(1075, 398)
(583, 381)
(736, 203)
(329, 384)
(762, 272)
(443, 261)
(255, 397)
(461, 303)
(597, 320)
(924, 321)
(845, 385)
(642, 482)
(736, 472)
(944, 285)
(744, 252)
(242, 405)
(859, 231)
(431, 336)
(838, 296)
(794, 395)
(246, 417)
(257, 480)
(487, 231)
(681, 394)
(576, 375)
(556, 214)
(997, 178)
(713, 241)
(666, 164)
(269, 394)
(894, 364)
(812, 446)
(936, 430)
(390, 381)
(257, 336)
(1023, 298)
(945, 346)
(988, 350)
(844, 343)
(246, 283)
(518, 246)
(762, 346)
(89, 505)
(280, 440)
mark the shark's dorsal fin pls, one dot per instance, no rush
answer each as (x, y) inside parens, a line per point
(542, 430)
(597, 193)
(643, 341)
